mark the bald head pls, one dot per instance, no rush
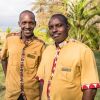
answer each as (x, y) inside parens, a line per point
(58, 28)
(27, 23)
(61, 17)
(26, 12)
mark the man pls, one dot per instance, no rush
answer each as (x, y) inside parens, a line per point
(20, 56)
(68, 67)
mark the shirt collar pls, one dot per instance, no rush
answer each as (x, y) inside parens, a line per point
(30, 39)
(62, 43)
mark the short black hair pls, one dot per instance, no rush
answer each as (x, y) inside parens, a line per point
(27, 11)
(61, 17)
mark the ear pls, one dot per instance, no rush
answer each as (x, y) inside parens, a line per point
(35, 24)
(19, 23)
(68, 27)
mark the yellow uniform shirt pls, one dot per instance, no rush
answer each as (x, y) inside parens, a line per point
(13, 49)
(75, 70)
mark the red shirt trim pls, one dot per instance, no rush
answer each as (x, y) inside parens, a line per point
(39, 79)
(91, 86)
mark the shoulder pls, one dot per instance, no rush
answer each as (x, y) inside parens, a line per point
(40, 41)
(77, 43)
(82, 47)
(49, 49)
(12, 34)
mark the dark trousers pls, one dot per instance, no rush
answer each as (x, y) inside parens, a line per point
(20, 97)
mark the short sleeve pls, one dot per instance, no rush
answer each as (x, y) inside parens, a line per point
(89, 74)
(4, 51)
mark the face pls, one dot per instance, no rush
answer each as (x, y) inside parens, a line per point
(27, 24)
(58, 30)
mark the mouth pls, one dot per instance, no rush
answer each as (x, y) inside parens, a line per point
(55, 35)
(27, 30)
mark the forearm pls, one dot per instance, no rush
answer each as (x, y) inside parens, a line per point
(89, 94)
(41, 88)
(4, 65)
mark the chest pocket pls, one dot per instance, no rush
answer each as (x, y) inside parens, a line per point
(65, 74)
(32, 60)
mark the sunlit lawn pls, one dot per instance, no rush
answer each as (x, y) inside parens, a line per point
(2, 78)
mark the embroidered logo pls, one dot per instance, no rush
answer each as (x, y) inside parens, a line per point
(31, 56)
(66, 69)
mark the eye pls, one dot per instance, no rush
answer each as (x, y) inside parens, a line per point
(50, 27)
(31, 23)
(59, 25)
(23, 23)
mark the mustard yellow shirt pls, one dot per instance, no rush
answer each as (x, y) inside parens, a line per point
(75, 70)
(13, 49)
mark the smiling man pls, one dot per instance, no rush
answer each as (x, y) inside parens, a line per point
(68, 67)
(20, 57)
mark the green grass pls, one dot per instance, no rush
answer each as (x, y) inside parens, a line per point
(2, 87)
(2, 78)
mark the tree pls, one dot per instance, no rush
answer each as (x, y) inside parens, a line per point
(45, 8)
(82, 18)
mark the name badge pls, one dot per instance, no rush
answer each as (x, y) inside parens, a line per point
(31, 56)
(66, 69)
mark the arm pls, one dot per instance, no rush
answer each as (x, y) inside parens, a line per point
(41, 87)
(89, 75)
(4, 56)
(4, 65)
(41, 72)
(89, 94)
(41, 82)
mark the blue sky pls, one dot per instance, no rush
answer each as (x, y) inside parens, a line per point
(10, 10)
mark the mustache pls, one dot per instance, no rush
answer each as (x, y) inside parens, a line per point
(27, 29)
(53, 34)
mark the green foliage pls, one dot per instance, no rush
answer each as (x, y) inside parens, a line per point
(43, 34)
(45, 8)
(0, 41)
(81, 15)
(0, 30)
(2, 87)
(8, 30)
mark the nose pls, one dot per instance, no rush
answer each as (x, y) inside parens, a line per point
(27, 25)
(54, 29)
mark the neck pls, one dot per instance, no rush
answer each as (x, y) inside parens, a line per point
(26, 38)
(57, 43)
